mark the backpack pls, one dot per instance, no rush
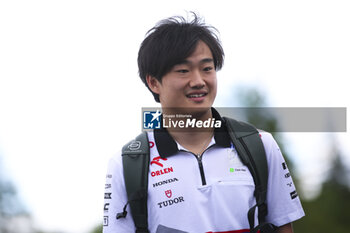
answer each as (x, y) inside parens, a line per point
(247, 141)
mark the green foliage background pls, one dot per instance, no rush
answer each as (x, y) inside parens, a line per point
(329, 211)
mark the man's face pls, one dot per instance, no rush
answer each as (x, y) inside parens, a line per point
(191, 84)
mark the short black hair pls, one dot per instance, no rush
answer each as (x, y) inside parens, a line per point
(171, 41)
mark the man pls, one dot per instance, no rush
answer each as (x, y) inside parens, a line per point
(196, 182)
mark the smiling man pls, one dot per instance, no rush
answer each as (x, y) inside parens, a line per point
(196, 178)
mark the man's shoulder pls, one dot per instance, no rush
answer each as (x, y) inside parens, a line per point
(271, 147)
(265, 136)
(135, 145)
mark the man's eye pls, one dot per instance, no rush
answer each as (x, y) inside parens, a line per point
(209, 68)
(182, 71)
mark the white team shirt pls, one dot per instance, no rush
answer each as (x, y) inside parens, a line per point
(210, 194)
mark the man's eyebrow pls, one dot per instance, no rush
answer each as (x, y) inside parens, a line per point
(204, 60)
(207, 60)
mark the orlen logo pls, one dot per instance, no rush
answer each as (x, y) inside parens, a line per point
(163, 171)
(156, 161)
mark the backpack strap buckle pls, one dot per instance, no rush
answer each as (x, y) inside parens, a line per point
(264, 228)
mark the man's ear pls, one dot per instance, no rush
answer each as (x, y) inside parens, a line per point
(153, 84)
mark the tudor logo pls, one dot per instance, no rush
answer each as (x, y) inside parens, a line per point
(168, 193)
(171, 202)
(134, 145)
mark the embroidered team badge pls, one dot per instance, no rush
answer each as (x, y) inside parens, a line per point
(168, 193)
(156, 161)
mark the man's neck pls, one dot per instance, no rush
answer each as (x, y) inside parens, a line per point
(195, 140)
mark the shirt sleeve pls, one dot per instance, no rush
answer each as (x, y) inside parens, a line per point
(115, 198)
(283, 203)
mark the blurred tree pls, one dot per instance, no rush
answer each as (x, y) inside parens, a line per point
(329, 212)
(97, 229)
(9, 204)
(13, 217)
(256, 112)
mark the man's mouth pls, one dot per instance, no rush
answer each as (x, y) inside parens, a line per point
(196, 95)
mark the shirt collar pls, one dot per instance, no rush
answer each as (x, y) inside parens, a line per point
(167, 146)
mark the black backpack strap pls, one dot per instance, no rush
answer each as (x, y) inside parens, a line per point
(136, 158)
(251, 150)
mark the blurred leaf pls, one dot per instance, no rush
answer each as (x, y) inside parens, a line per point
(97, 229)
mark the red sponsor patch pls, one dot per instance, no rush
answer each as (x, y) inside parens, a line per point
(168, 193)
(162, 172)
(156, 160)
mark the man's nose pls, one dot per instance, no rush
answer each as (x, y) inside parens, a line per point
(197, 80)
